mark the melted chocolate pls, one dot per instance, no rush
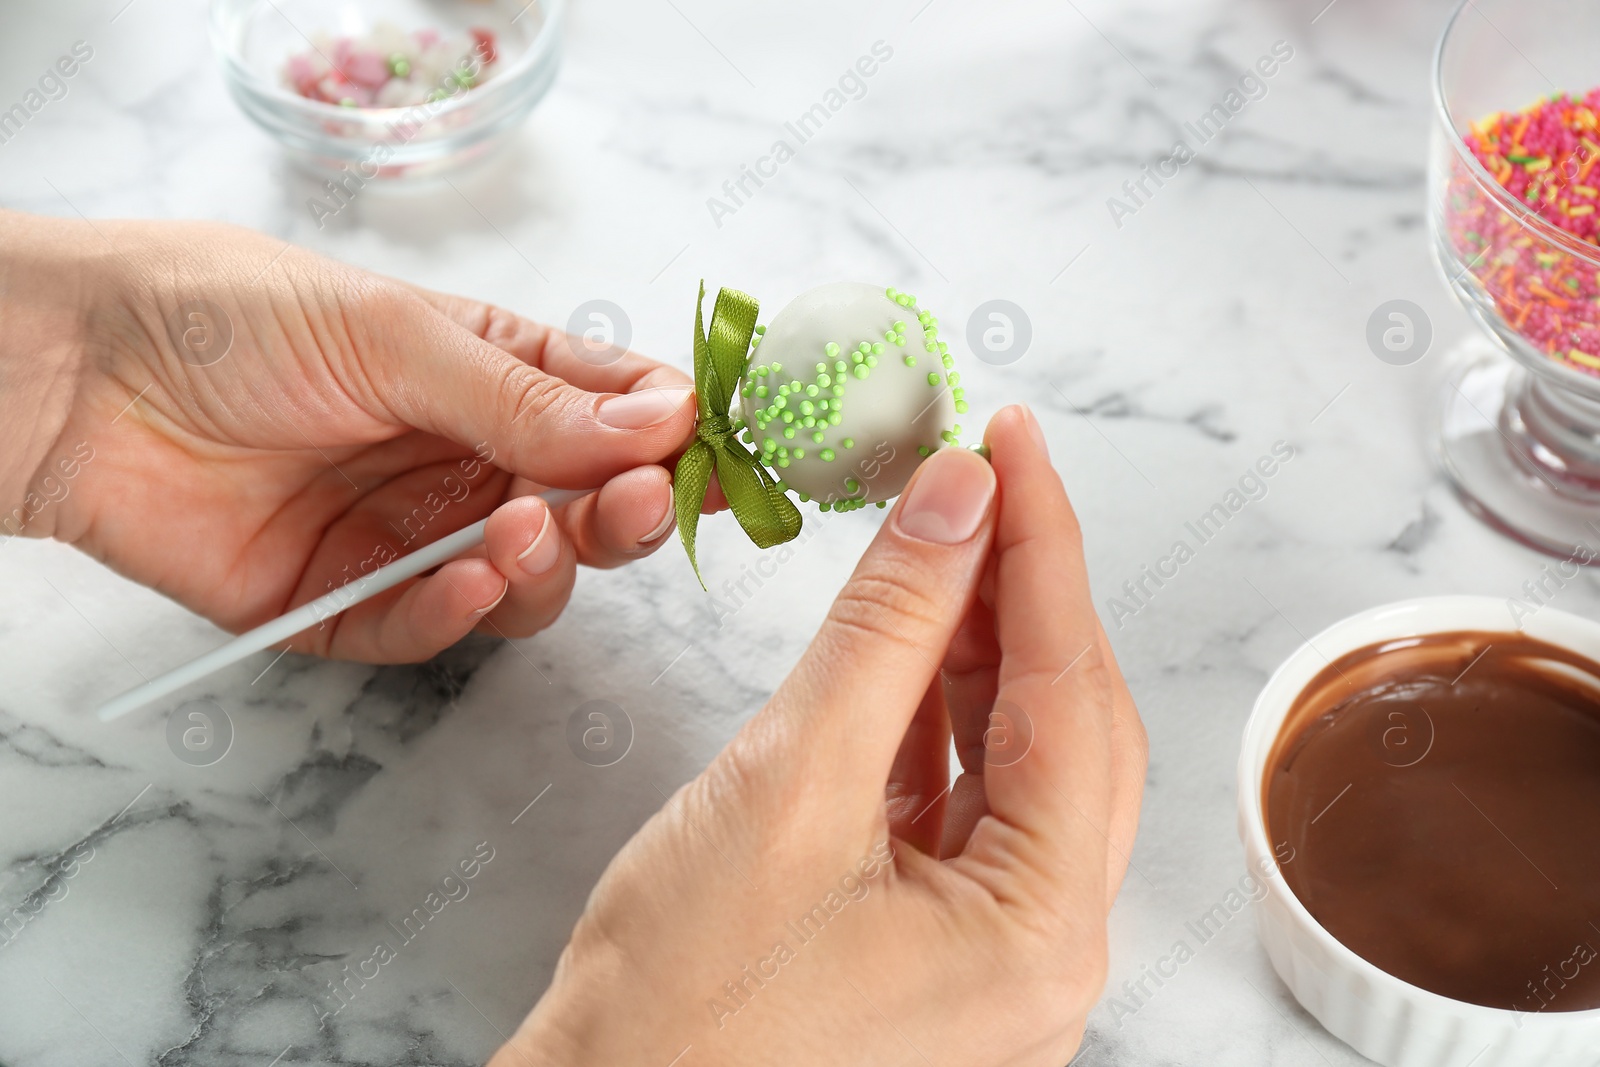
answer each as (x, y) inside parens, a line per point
(1443, 803)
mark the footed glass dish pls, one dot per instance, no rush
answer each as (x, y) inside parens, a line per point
(1518, 426)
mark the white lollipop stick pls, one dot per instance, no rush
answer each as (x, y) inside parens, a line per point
(312, 614)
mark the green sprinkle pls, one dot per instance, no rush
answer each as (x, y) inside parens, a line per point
(899, 326)
(746, 390)
(911, 361)
(782, 401)
(799, 453)
(807, 407)
(824, 506)
(862, 370)
(837, 390)
(959, 394)
(831, 348)
(808, 422)
(922, 450)
(786, 416)
(769, 445)
(949, 361)
(812, 390)
(761, 391)
(826, 454)
(805, 498)
(933, 377)
(783, 461)
(903, 300)
(761, 329)
(891, 292)
(823, 381)
(849, 442)
(776, 367)
(748, 438)
(883, 504)
(762, 371)
(834, 418)
(954, 379)
(841, 367)
(851, 485)
(817, 437)
(961, 407)
(399, 65)
(877, 348)
(788, 432)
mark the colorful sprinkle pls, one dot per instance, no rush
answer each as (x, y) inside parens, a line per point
(1545, 156)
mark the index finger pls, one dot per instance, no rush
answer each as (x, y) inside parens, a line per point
(552, 350)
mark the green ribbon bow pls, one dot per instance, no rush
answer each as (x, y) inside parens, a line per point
(761, 506)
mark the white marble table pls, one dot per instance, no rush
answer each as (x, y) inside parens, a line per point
(1225, 314)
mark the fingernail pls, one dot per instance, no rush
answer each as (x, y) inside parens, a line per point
(491, 607)
(1035, 431)
(948, 499)
(542, 554)
(635, 411)
(662, 527)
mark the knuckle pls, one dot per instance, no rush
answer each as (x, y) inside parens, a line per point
(363, 298)
(886, 601)
(503, 329)
(529, 393)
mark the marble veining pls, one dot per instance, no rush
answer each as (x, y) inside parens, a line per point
(154, 912)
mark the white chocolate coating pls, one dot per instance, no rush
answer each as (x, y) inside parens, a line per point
(886, 414)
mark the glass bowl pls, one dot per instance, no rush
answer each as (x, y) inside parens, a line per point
(1519, 436)
(255, 39)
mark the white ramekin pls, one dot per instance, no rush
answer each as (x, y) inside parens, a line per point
(1385, 1019)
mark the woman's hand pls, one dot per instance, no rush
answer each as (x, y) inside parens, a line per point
(350, 421)
(818, 896)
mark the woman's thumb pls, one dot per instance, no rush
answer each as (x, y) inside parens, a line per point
(848, 701)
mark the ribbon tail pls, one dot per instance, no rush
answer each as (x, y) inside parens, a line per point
(690, 481)
(765, 512)
(702, 359)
